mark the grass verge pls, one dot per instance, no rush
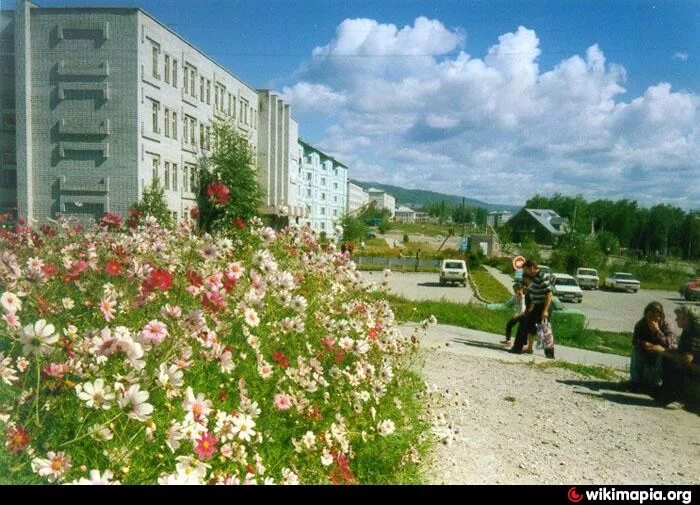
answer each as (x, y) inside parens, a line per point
(489, 287)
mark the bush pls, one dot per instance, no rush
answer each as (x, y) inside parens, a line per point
(152, 204)
(152, 355)
(405, 238)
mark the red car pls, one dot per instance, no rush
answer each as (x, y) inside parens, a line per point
(691, 289)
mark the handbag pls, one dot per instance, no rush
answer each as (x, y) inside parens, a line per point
(545, 337)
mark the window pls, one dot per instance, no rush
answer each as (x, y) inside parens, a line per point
(335, 199)
(335, 185)
(335, 212)
(208, 92)
(166, 175)
(174, 72)
(166, 122)
(155, 62)
(193, 77)
(185, 187)
(308, 192)
(323, 181)
(185, 129)
(229, 103)
(167, 69)
(193, 134)
(174, 125)
(193, 179)
(174, 216)
(208, 138)
(201, 88)
(323, 225)
(222, 94)
(323, 211)
(202, 133)
(186, 80)
(308, 176)
(156, 163)
(155, 110)
(323, 197)
(216, 97)
(174, 177)
(233, 108)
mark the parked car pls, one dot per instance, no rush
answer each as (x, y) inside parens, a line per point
(566, 288)
(622, 280)
(587, 278)
(691, 289)
(371, 234)
(557, 310)
(453, 271)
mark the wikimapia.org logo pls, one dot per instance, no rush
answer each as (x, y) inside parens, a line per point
(636, 495)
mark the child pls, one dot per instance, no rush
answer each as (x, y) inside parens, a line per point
(519, 302)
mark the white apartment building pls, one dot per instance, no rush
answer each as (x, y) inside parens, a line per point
(322, 189)
(278, 157)
(358, 198)
(382, 200)
(99, 101)
(405, 215)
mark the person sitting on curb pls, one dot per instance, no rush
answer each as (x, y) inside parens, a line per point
(652, 335)
(681, 368)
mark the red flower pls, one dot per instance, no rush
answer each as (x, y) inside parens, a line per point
(239, 223)
(47, 230)
(113, 268)
(17, 439)
(206, 446)
(159, 279)
(49, 270)
(194, 213)
(194, 278)
(219, 193)
(111, 221)
(280, 358)
(77, 268)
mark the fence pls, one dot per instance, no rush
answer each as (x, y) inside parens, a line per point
(395, 263)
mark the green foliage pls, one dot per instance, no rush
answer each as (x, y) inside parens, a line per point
(608, 243)
(530, 250)
(489, 287)
(575, 253)
(153, 204)
(231, 164)
(354, 229)
(405, 238)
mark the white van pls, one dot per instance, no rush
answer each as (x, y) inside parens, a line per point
(453, 271)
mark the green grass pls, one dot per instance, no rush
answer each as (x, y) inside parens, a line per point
(428, 229)
(489, 287)
(568, 329)
(597, 372)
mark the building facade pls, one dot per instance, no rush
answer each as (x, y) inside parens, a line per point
(278, 157)
(358, 199)
(405, 215)
(106, 100)
(382, 200)
(497, 218)
(322, 189)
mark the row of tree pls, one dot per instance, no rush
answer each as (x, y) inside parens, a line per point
(462, 214)
(662, 230)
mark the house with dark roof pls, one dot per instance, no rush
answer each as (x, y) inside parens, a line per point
(544, 225)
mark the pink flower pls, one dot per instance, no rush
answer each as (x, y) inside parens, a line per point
(108, 307)
(219, 193)
(57, 371)
(283, 401)
(206, 446)
(154, 332)
(12, 321)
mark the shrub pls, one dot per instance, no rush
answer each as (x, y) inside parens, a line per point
(149, 355)
(152, 203)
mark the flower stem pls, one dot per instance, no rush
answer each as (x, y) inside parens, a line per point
(38, 385)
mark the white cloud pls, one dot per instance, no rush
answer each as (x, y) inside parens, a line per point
(681, 56)
(412, 107)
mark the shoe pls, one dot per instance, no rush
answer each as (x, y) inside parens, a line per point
(515, 351)
(634, 387)
(549, 353)
(527, 350)
(674, 406)
(505, 342)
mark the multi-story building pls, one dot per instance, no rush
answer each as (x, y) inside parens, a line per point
(105, 101)
(405, 215)
(358, 198)
(322, 188)
(382, 200)
(278, 157)
(497, 218)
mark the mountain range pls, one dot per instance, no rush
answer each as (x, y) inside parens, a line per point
(411, 197)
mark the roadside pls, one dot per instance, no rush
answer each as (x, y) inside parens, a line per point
(501, 418)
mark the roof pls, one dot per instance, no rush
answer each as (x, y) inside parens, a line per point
(553, 222)
(405, 209)
(313, 148)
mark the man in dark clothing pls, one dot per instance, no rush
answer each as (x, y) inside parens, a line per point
(540, 293)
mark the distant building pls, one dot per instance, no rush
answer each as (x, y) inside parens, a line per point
(496, 218)
(382, 200)
(358, 199)
(322, 189)
(405, 215)
(544, 225)
(487, 244)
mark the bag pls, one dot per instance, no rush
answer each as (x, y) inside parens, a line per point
(545, 337)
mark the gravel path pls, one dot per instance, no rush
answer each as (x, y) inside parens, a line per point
(502, 420)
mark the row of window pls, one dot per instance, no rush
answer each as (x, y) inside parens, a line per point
(322, 195)
(189, 127)
(169, 179)
(309, 177)
(245, 113)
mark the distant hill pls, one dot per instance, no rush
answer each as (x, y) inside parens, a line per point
(421, 197)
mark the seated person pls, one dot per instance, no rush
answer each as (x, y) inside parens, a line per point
(681, 367)
(652, 335)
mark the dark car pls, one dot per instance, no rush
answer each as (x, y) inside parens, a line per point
(691, 289)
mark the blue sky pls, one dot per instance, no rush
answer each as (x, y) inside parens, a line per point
(599, 97)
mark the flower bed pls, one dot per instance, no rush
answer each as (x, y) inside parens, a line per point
(149, 355)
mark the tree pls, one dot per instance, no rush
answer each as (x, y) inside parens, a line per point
(229, 189)
(153, 204)
(354, 229)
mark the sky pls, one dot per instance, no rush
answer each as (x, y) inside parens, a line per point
(493, 100)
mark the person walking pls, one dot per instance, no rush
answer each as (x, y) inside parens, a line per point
(417, 259)
(540, 293)
(520, 307)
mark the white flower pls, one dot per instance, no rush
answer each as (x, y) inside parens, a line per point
(289, 477)
(346, 343)
(135, 401)
(361, 346)
(386, 427)
(38, 337)
(179, 479)
(196, 408)
(68, 303)
(251, 317)
(170, 377)
(95, 394)
(309, 439)
(191, 467)
(10, 302)
(7, 373)
(97, 479)
(53, 467)
(243, 426)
